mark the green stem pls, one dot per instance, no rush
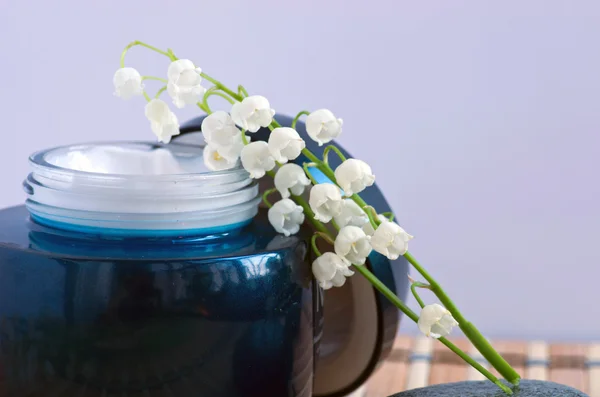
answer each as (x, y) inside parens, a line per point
(371, 220)
(413, 289)
(134, 43)
(388, 215)
(244, 138)
(205, 98)
(336, 150)
(310, 215)
(154, 78)
(308, 174)
(242, 91)
(313, 241)
(476, 365)
(385, 291)
(222, 87)
(265, 197)
(306, 112)
(204, 109)
(214, 91)
(472, 333)
(335, 224)
(146, 96)
(160, 92)
(373, 217)
(221, 94)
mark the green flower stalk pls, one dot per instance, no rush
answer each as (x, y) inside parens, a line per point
(356, 229)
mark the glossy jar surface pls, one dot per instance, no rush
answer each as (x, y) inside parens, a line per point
(229, 314)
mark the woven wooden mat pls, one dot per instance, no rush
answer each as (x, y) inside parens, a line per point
(417, 362)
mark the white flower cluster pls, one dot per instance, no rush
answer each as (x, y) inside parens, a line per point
(183, 85)
(356, 237)
(227, 142)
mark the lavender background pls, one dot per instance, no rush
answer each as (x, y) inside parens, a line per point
(482, 120)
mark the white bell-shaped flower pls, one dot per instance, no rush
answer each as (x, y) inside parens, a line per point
(257, 159)
(352, 244)
(368, 228)
(390, 239)
(436, 321)
(219, 129)
(354, 176)
(325, 201)
(286, 217)
(322, 126)
(290, 178)
(233, 151)
(214, 161)
(331, 270)
(285, 144)
(128, 83)
(163, 121)
(351, 215)
(184, 83)
(252, 113)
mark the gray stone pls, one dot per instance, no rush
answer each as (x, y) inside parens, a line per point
(527, 388)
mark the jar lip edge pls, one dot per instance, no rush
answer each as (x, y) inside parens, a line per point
(37, 161)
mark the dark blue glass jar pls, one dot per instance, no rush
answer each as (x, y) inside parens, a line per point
(112, 285)
(228, 314)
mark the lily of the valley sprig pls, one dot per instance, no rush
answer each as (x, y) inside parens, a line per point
(359, 228)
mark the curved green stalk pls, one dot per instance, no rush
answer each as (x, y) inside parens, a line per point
(306, 112)
(242, 91)
(472, 333)
(154, 78)
(308, 174)
(265, 197)
(162, 89)
(388, 215)
(391, 296)
(222, 87)
(214, 91)
(222, 95)
(370, 216)
(134, 43)
(203, 108)
(413, 289)
(328, 148)
(313, 241)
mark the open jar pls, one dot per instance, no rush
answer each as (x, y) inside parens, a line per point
(137, 189)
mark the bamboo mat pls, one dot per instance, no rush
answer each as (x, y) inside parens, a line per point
(418, 361)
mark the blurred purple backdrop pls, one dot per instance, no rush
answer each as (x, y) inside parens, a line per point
(482, 120)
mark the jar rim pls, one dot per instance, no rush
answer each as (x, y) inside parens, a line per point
(38, 162)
